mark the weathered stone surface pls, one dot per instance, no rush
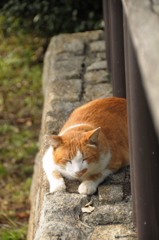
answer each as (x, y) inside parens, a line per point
(67, 75)
(74, 73)
(101, 76)
(127, 174)
(101, 55)
(47, 69)
(110, 193)
(75, 45)
(98, 46)
(112, 232)
(102, 65)
(60, 43)
(97, 91)
(69, 91)
(57, 115)
(58, 231)
(73, 65)
(64, 205)
(60, 218)
(90, 59)
(108, 214)
(72, 186)
(118, 177)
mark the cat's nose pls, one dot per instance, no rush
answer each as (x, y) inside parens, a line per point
(78, 173)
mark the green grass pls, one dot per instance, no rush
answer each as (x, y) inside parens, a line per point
(21, 104)
(14, 233)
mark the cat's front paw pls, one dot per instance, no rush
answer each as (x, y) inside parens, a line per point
(58, 186)
(87, 187)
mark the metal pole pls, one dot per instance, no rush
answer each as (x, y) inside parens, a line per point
(128, 92)
(117, 48)
(145, 153)
(107, 32)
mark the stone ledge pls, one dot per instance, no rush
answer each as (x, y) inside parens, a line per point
(75, 72)
(111, 232)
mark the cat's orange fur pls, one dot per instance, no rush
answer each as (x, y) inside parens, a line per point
(111, 115)
(81, 133)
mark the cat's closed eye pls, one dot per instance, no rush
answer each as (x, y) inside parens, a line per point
(69, 161)
(85, 159)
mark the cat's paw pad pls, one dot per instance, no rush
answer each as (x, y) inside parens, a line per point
(87, 187)
(59, 186)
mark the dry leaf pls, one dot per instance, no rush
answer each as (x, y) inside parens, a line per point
(88, 209)
(23, 215)
(28, 123)
(88, 204)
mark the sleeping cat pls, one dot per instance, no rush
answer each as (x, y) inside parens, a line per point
(92, 144)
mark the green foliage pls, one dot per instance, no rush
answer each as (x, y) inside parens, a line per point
(20, 119)
(3, 171)
(21, 81)
(50, 17)
(13, 234)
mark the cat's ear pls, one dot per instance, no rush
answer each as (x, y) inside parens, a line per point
(92, 136)
(54, 141)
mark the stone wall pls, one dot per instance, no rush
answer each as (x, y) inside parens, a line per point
(75, 72)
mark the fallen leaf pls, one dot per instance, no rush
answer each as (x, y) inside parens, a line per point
(23, 215)
(88, 204)
(88, 209)
(28, 123)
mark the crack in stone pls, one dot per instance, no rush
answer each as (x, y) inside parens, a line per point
(83, 66)
(154, 7)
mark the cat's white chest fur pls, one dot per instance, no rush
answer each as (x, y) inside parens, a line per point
(48, 162)
(72, 168)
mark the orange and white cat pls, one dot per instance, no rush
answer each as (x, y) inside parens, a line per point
(92, 144)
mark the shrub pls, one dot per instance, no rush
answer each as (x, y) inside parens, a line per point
(51, 17)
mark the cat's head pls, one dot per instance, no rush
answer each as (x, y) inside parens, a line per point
(76, 152)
